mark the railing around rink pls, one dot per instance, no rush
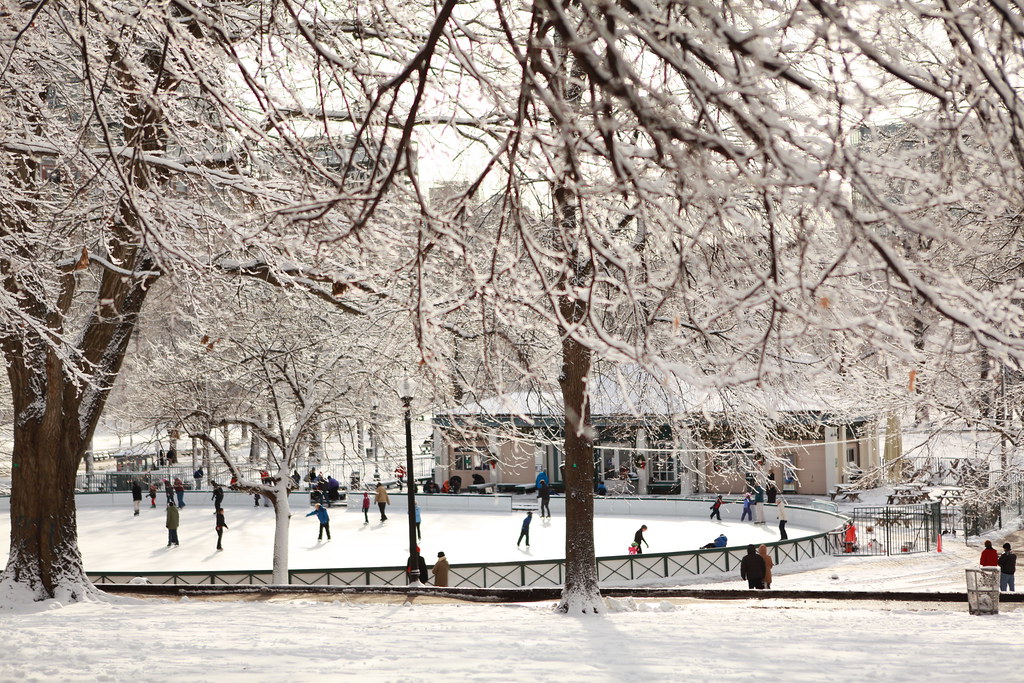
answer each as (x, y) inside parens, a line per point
(536, 573)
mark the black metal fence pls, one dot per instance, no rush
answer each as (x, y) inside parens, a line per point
(611, 570)
(893, 529)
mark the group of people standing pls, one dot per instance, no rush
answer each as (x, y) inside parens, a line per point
(1007, 563)
(175, 501)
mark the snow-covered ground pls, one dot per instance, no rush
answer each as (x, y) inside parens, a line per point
(428, 639)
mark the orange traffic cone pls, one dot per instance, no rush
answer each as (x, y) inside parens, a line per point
(938, 545)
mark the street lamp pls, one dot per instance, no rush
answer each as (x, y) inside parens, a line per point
(406, 389)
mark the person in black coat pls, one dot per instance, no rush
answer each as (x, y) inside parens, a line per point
(771, 490)
(421, 566)
(218, 496)
(752, 568)
(169, 490)
(544, 493)
(221, 526)
(639, 539)
(136, 495)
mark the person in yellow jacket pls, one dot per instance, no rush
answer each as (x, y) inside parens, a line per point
(381, 498)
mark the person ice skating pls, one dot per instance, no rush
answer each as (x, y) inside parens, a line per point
(752, 569)
(418, 534)
(989, 556)
(719, 542)
(400, 476)
(640, 541)
(198, 476)
(382, 500)
(1007, 568)
(525, 531)
(136, 495)
(152, 494)
(172, 524)
(748, 503)
(544, 493)
(366, 507)
(771, 490)
(440, 570)
(325, 521)
(759, 504)
(179, 490)
(421, 568)
(169, 490)
(716, 509)
(217, 496)
(781, 509)
(221, 526)
(762, 550)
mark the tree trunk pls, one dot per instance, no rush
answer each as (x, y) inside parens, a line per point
(282, 527)
(580, 593)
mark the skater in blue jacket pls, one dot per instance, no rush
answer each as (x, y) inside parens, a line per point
(325, 521)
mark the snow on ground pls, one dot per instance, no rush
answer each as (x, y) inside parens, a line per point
(429, 639)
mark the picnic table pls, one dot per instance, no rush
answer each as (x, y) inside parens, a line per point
(907, 495)
(846, 491)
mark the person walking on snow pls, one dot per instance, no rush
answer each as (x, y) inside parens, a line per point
(440, 570)
(640, 541)
(716, 509)
(752, 569)
(382, 500)
(762, 550)
(325, 521)
(525, 531)
(989, 556)
(1007, 567)
(366, 507)
(748, 513)
(136, 495)
(221, 526)
(172, 524)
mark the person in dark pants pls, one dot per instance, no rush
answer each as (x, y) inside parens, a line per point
(419, 535)
(1007, 568)
(172, 524)
(544, 493)
(325, 521)
(716, 509)
(218, 496)
(221, 526)
(781, 507)
(525, 531)
(771, 490)
(752, 569)
(136, 495)
(640, 541)
(381, 497)
(366, 507)
(169, 490)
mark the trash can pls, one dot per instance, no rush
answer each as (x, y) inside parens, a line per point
(983, 590)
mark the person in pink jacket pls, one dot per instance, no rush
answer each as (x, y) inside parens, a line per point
(366, 507)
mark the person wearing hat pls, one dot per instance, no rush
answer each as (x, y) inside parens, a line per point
(325, 521)
(440, 570)
(1007, 567)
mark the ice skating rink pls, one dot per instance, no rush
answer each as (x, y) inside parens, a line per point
(112, 539)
